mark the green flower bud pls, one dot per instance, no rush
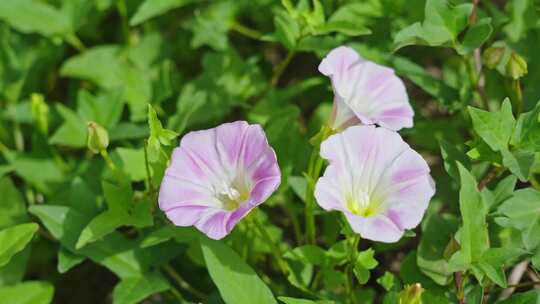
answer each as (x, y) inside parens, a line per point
(493, 56)
(411, 294)
(516, 66)
(40, 112)
(98, 138)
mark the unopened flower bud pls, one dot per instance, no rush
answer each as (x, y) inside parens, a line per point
(40, 112)
(516, 66)
(493, 56)
(411, 294)
(98, 138)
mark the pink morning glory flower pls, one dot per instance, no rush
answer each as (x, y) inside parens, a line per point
(381, 185)
(217, 176)
(365, 92)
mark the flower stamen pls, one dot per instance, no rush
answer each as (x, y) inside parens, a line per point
(362, 205)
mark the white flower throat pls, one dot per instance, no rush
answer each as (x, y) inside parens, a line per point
(360, 203)
(230, 195)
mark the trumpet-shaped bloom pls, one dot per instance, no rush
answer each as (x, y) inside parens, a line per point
(217, 176)
(365, 92)
(381, 185)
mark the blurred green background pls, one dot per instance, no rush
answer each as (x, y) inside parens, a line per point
(199, 63)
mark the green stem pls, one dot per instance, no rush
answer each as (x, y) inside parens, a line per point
(108, 159)
(476, 78)
(147, 167)
(246, 31)
(183, 283)
(281, 68)
(296, 224)
(353, 255)
(283, 266)
(177, 294)
(459, 279)
(19, 138)
(314, 170)
(122, 10)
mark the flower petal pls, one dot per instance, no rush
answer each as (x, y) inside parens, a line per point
(177, 191)
(338, 61)
(217, 176)
(214, 224)
(374, 163)
(186, 215)
(371, 92)
(377, 228)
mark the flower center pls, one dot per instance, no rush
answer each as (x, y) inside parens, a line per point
(231, 197)
(361, 204)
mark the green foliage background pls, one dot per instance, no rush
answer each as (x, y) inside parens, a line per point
(75, 230)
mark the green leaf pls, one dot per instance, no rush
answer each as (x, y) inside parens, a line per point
(107, 67)
(474, 235)
(157, 131)
(494, 273)
(118, 192)
(189, 101)
(502, 256)
(495, 128)
(441, 26)
(12, 208)
(29, 16)
(438, 231)
(42, 173)
(522, 15)
(523, 213)
(122, 211)
(134, 290)
(287, 29)
(72, 132)
(31, 292)
(332, 278)
(342, 27)
(14, 239)
(528, 297)
(14, 271)
(68, 260)
(163, 234)
(527, 132)
(446, 95)
(474, 295)
(308, 254)
(211, 25)
(475, 36)
(236, 281)
(152, 8)
(126, 130)
(298, 184)
(105, 108)
(387, 281)
(289, 300)
(365, 261)
(504, 190)
(63, 223)
(519, 162)
(451, 155)
(366, 258)
(99, 227)
(132, 163)
(536, 259)
(114, 252)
